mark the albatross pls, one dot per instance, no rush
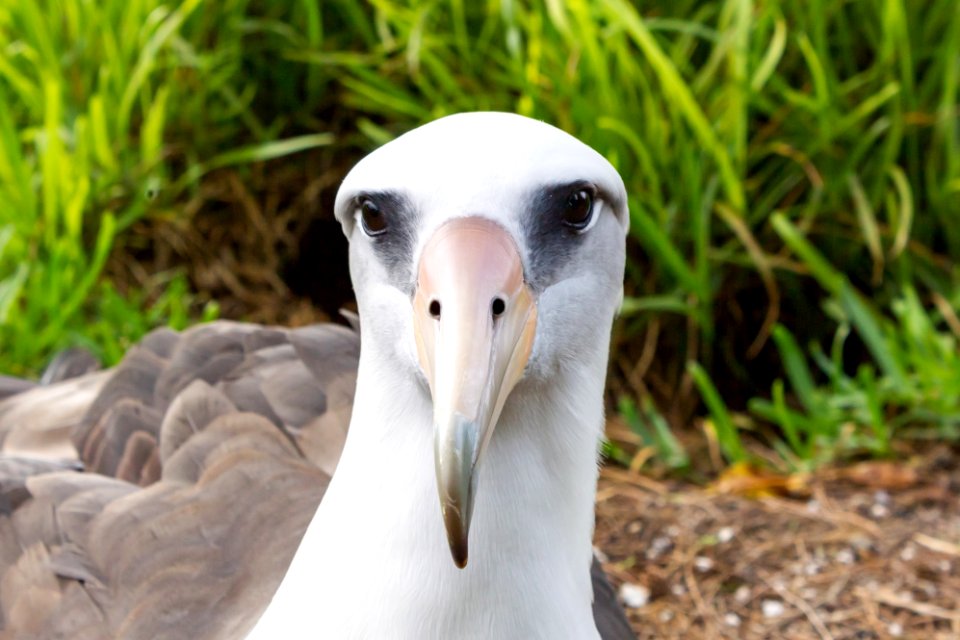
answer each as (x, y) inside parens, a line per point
(487, 258)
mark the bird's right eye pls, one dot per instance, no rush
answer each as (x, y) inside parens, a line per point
(579, 209)
(372, 218)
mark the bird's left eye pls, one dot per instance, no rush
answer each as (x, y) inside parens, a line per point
(578, 209)
(372, 218)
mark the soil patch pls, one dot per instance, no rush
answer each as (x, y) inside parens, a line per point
(866, 552)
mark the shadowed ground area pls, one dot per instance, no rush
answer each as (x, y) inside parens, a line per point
(865, 552)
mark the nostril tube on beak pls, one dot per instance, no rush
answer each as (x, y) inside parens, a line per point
(435, 309)
(498, 306)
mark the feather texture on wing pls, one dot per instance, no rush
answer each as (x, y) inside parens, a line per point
(206, 454)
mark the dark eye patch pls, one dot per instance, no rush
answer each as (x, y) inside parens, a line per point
(553, 219)
(390, 221)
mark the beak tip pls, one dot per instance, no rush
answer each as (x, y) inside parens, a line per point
(459, 555)
(457, 536)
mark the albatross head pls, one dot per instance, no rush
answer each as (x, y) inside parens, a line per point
(487, 251)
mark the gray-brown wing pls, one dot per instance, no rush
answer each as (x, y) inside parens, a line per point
(10, 386)
(41, 418)
(196, 490)
(69, 363)
(305, 391)
(39, 421)
(607, 613)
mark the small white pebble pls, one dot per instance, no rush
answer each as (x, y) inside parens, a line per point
(861, 543)
(812, 568)
(772, 608)
(731, 619)
(658, 546)
(881, 497)
(634, 596)
(879, 510)
(703, 563)
(895, 629)
(678, 589)
(943, 566)
(813, 506)
(725, 534)
(666, 615)
(742, 594)
(908, 553)
(845, 556)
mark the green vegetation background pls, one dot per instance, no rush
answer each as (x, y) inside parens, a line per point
(793, 168)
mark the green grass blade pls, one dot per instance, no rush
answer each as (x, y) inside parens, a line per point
(10, 288)
(727, 433)
(865, 320)
(657, 242)
(795, 365)
(655, 304)
(868, 226)
(828, 277)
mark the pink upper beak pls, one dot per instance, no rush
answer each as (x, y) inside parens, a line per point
(475, 320)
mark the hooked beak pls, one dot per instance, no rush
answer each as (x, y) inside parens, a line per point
(474, 320)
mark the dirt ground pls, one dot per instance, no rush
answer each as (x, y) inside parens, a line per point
(868, 551)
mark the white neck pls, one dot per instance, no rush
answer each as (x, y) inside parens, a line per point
(374, 562)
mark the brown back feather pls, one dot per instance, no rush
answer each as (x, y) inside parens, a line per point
(190, 508)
